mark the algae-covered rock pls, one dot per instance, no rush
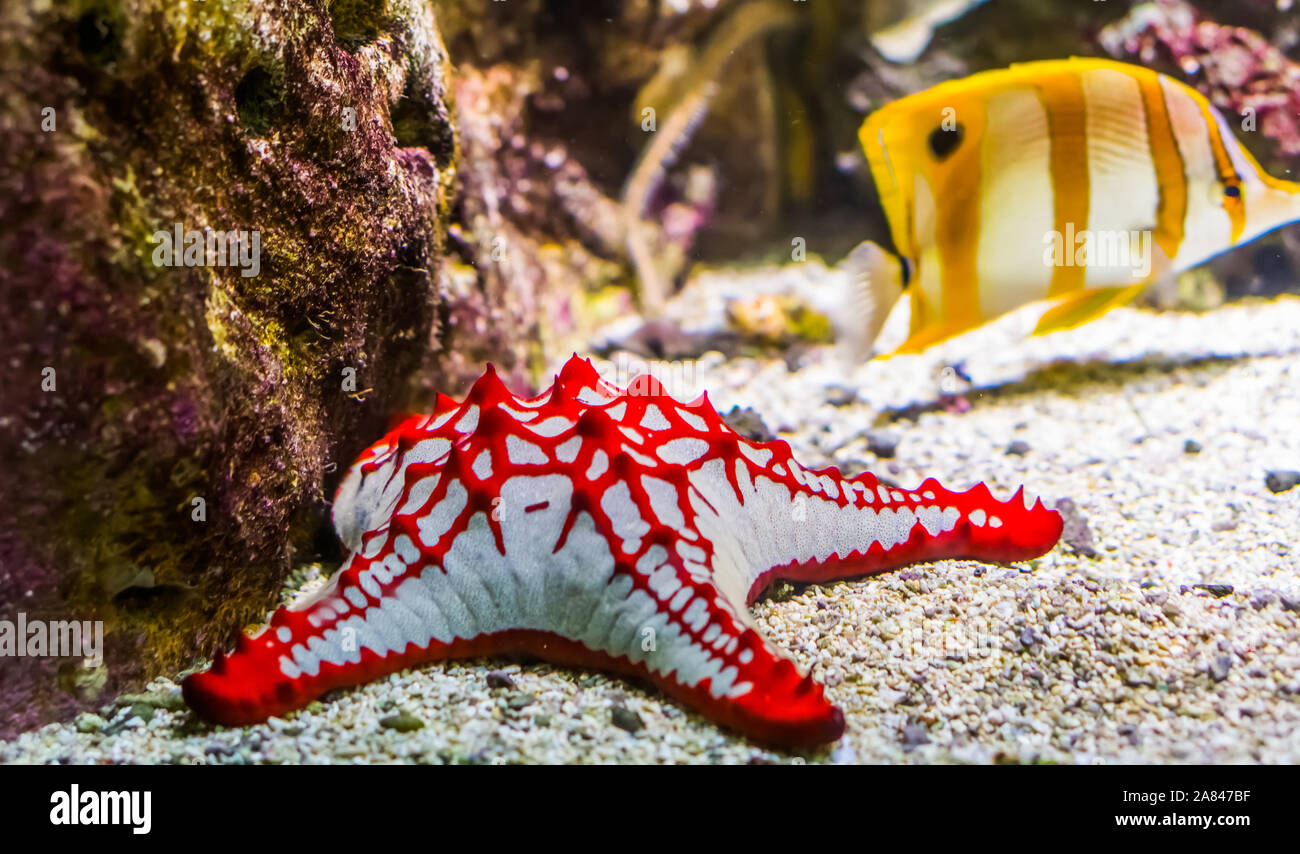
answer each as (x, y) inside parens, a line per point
(170, 433)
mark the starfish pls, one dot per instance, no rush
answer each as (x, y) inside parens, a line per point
(596, 527)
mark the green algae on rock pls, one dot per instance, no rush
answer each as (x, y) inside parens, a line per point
(170, 433)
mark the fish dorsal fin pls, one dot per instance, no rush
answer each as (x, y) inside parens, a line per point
(875, 282)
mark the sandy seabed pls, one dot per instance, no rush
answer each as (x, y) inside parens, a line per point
(1174, 638)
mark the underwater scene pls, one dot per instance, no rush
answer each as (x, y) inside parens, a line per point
(505, 382)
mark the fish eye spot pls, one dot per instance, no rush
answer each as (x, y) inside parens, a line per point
(944, 140)
(1232, 191)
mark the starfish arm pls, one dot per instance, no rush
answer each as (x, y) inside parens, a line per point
(777, 520)
(768, 517)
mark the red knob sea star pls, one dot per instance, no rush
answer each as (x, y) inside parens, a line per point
(595, 527)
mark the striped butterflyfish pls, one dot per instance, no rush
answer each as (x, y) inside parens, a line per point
(1076, 181)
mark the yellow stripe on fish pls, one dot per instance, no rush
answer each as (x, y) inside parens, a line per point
(1078, 181)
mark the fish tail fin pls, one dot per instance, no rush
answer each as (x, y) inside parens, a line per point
(875, 282)
(1081, 307)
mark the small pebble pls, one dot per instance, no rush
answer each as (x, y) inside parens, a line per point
(915, 734)
(840, 395)
(1138, 677)
(402, 722)
(1018, 448)
(89, 722)
(1281, 481)
(624, 718)
(882, 443)
(499, 679)
(1191, 446)
(1261, 599)
(749, 424)
(1219, 668)
(1218, 591)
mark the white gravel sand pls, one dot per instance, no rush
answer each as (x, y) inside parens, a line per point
(1117, 657)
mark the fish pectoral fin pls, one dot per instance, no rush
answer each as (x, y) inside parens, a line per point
(1084, 306)
(875, 284)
